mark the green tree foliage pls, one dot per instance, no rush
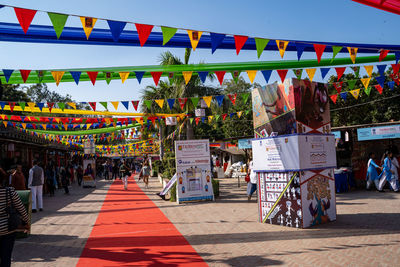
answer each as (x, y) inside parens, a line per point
(12, 92)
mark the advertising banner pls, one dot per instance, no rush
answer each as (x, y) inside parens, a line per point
(244, 143)
(375, 133)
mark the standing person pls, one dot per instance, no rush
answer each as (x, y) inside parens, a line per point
(146, 173)
(50, 179)
(7, 237)
(125, 173)
(114, 170)
(252, 185)
(18, 179)
(387, 174)
(395, 166)
(64, 179)
(35, 183)
(372, 174)
(79, 173)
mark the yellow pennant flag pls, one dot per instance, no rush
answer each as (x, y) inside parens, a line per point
(44, 126)
(4, 116)
(311, 73)
(5, 124)
(72, 104)
(139, 120)
(355, 93)
(369, 69)
(239, 113)
(124, 76)
(88, 25)
(365, 82)
(88, 126)
(252, 75)
(57, 120)
(115, 104)
(23, 125)
(208, 100)
(108, 120)
(65, 126)
(353, 53)
(160, 102)
(31, 105)
(187, 75)
(282, 46)
(194, 37)
(210, 119)
(57, 75)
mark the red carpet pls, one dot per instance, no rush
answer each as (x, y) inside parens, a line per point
(132, 231)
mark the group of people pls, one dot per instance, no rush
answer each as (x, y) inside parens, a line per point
(388, 172)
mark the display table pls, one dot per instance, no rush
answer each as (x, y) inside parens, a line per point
(343, 181)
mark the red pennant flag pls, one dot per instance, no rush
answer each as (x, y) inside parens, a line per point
(282, 74)
(338, 86)
(379, 88)
(50, 105)
(220, 76)
(182, 102)
(339, 72)
(319, 50)
(197, 120)
(12, 105)
(232, 98)
(382, 54)
(144, 31)
(333, 98)
(224, 116)
(135, 104)
(395, 77)
(93, 105)
(240, 40)
(395, 68)
(156, 76)
(34, 126)
(92, 76)
(25, 17)
(24, 74)
(18, 118)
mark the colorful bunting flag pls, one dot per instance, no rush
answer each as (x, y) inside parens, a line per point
(379, 88)
(220, 99)
(187, 75)
(194, 37)
(324, 72)
(40, 106)
(282, 74)
(116, 28)
(260, 45)
(300, 49)
(343, 95)
(220, 76)
(167, 33)
(135, 104)
(298, 73)
(232, 97)
(76, 75)
(7, 74)
(351, 84)
(335, 50)
(144, 31)
(92, 76)
(139, 75)
(240, 40)
(25, 74)
(367, 90)
(311, 73)
(156, 76)
(203, 75)
(369, 69)
(391, 85)
(216, 40)
(339, 72)
(148, 103)
(171, 102)
(381, 69)
(50, 106)
(252, 75)
(355, 93)
(22, 105)
(57, 75)
(182, 102)
(382, 54)
(319, 50)
(365, 81)
(195, 101)
(40, 74)
(380, 80)
(282, 47)
(338, 86)
(31, 105)
(245, 97)
(160, 102)
(353, 53)
(25, 17)
(12, 105)
(207, 100)
(104, 104)
(115, 104)
(58, 21)
(88, 25)
(72, 104)
(235, 75)
(395, 68)
(124, 75)
(93, 105)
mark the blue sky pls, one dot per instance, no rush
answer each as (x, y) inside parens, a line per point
(314, 20)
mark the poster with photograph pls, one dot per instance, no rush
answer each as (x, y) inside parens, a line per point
(193, 170)
(89, 173)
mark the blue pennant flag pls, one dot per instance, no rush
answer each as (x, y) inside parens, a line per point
(171, 102)
(381, 69)
(324, 72)
(126, 104)
(343, 95)
(40, 106)
(203, 119)
(23, 118)
(76, 75)
(397, 55)
(231, 115)
(203, 75)
(51, 119)
(381, 80)
(300, 48)
(220, 99)
(266, 74)
(391, 85)
(2, 104)
(7, 74)
(216, 40)
(139, 75)
(116, 28)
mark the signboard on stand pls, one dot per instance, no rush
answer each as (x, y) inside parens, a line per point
(89, 147)
(193, 171)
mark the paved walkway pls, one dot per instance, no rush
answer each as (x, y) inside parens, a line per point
(226, 232)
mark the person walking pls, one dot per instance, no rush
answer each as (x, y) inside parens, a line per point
(146, 173)
(79, 174)
(50, 179)
(125, 173)
(8, 196)
(18, 179)
(387, 174)
(252, 185)
(64, 180)
(372, 174)
(35, 183)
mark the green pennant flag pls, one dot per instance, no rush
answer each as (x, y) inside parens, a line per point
(108, 76)
(9, 117)
(216, 117)
(356, 70)
(367, 90)
(336, 50)
(84, 121)
(235, 75)
(195, 101)
(247, 112)
(22, 105)
(191, 120)
(298, 73)
(104, 104)
(167, 33)
(245, 97)
(37, 118)
(58, 21)
(260, 45)
(148, 103)
(41, 74)
(61, 105)
(351, 84)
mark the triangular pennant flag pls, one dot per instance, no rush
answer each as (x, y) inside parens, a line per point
(266, 74)
(282, 46)
(22, 105)
(311, 73)
(239, 114)
(12, 105)
(171, 102)
(25, 17)
(148, 103)
(135, 104)
(353, 53)
(167, 33)
(395, 68)
(88, 25)
(232, 97)
(335, 50)
(367, 90)
(139, 75)
(195, 101)
(395, 77)
(240, 40)
(351, 84)
(381, 69)
(93, 105)
(187, 75)
(50, 105)
(61, 106)
(156, 76)
(5, 123)
(343, 95)
(220, 99)
(92, 76)
(338, 86)
(365, 81)
(207, 100)
(216, 40)
(235, 75)
(355, 93)
(72, 104)
(220, 76)
(381, 80)
(369, 69)
(108, 76)
(115, 104)
(160, 102)
(57, 75)
(40, 74)
(194, 37)
(144, 31)
(300, 48)
(252, 75)
(197, 120)
(391, 85)
(224, 116)
(382, 54)
(23, 125)
(7, 74)
(25, 74)
(324, 71)
(104, 104)
(339, 72)
(379, 88)
(319, 50)
(210, 119)
(203, 75)
(76, 75)
(124, 76)
(282, 74)
(298, 73)
(40, 106)
(58, 21)
(245, 97)
(356, 70)
(191, 120)
(260, 45)
(182, 102)
(116, 28)
(397, 56)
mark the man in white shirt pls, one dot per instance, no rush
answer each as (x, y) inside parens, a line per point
(35, 183)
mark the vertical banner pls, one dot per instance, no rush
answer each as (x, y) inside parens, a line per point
(193, 171)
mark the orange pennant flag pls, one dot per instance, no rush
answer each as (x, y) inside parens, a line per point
(187, 75)
(124, 76)
(369, 69)
(194, 37)
(57, 75)
(88, 25)
(282, 46)
(353, 53)
(252, 75)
